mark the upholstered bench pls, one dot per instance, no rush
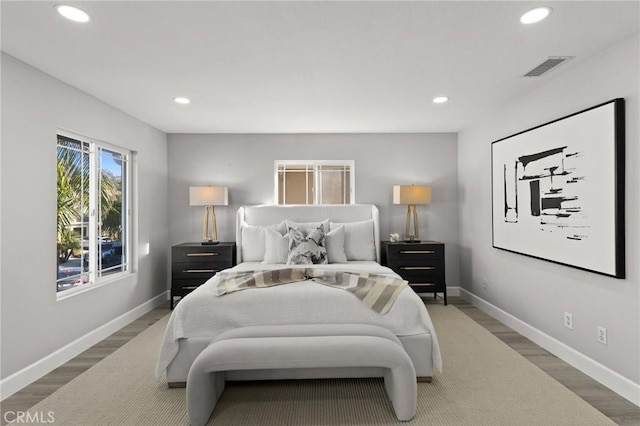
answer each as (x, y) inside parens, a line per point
(301, 346)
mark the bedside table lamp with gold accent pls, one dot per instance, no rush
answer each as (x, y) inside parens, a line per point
(209, 196)
(411, 195)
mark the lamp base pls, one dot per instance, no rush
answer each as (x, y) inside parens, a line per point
(210, 243)
(411, 237)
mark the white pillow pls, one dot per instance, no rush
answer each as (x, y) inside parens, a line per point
(276, 247)
(359, 242)
(306, 227)
(334, 243)
(254, 240)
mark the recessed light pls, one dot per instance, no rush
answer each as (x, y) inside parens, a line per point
(440, 100)
(182, 101)
(535, 15)
(72, 13)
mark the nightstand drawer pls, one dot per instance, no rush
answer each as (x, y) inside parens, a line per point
(426, 279)
(415, 264)
(427, 287)
(415, 251)
(414, 268)
(188, 285)
(194, 270)
(204, 254)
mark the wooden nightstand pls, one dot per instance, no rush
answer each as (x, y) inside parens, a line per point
(192, 264)
(422, 264)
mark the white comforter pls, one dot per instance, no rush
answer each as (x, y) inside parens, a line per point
(202, 314)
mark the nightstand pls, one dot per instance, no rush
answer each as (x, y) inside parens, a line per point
(422, 264)
(192, 264)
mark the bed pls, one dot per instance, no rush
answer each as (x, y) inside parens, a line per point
(202, 316)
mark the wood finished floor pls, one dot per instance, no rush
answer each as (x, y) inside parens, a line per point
(606, 401)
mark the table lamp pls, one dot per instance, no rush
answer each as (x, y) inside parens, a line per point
(411, 195)
(209, 196)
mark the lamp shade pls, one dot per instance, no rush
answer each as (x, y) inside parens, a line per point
(208, 196)
(411, 194)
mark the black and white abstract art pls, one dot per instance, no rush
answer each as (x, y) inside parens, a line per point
(558, 190)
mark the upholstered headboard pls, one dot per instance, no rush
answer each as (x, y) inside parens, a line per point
(271, 214)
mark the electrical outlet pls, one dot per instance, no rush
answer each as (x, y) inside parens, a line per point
(602, 335)
(485, 285)
(568, 320)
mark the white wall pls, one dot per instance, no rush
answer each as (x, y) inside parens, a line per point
(539, 292)
(34, 323)
(245, 164)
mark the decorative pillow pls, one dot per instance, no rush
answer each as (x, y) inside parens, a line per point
(334, 243)
(276, 247)
(309, 250)
(359, 243)
(254, 240)
(307, 227)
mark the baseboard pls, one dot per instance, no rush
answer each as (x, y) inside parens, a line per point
(38, 369)
(609, 378)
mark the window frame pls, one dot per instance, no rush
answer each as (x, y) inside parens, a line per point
(315, 164)
(96, 277)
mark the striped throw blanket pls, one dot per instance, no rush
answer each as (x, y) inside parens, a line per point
(376, 291)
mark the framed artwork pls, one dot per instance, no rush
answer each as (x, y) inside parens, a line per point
(558, 190)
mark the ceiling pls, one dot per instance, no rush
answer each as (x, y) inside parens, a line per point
(309, 67)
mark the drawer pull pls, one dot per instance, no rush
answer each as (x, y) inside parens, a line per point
(422, 284)
(417, 268)
(195, 271)
(201, 254)
(191, 287)
(417, 251)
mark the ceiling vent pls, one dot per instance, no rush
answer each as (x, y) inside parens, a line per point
(547, 65)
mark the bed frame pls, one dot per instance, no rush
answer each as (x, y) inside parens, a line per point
(418, 347)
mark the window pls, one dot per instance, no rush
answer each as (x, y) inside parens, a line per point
(93, 211)
(314, 182)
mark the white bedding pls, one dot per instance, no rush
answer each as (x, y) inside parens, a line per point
(202, 314)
